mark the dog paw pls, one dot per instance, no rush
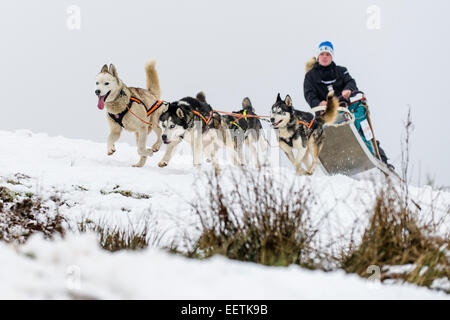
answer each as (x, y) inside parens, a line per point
(162, 164)
(156, 148)
(111, 151)
(138, 165)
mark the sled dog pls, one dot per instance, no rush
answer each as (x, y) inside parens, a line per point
(301, 130)
(247, 130)
(133, 109)
(193, 120)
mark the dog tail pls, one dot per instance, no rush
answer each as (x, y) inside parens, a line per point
(331, 110)
(201, 97)
(152, 79)
(310, 64)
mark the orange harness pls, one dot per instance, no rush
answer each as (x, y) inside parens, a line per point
(153, 108)
(240, 115)
(204, 119)
(308, 125)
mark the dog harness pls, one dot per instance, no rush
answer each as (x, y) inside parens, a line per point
(288, 141)
(308, 125)
(119, 117)
(235, 121)
(204, 119)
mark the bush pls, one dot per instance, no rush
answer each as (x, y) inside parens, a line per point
(248, 216)
(21, 216)
(395, 236)
(114, 239)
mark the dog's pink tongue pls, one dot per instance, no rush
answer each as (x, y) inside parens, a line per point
(101, 102)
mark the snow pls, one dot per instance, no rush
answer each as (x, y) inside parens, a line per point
(85, 178)
(153, 274)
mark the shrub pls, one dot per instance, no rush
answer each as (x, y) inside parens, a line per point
(249, 216)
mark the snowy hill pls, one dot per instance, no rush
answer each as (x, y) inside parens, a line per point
(107, 190)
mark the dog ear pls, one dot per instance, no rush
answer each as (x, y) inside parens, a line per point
(201, 96)
(288, 101)
(246, 102)
(113, 70)
(180, 113)
(164, 107)
(278, 97)
(189, 116)
(104, 68)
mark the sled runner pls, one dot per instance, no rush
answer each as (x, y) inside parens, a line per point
(349, 146)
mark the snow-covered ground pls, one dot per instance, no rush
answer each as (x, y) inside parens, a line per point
(78, 268)
(85, 178)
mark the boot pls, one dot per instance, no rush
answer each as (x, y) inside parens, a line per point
(384, 158)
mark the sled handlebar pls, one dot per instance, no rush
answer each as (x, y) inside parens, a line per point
(354, 93)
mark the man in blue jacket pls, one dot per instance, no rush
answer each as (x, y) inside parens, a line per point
(323, 75)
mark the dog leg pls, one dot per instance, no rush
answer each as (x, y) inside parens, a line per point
(229, 145)
(263, 145)
(299, 159)
(288, 151)
(209, 148)
(306, 160)
(212, 154)
(240, 151)
(197, 150)
(168, 155)
(113, 136)
(141, 162)
(254, 150)
(315, 151)
(158, 131)
(141, 140)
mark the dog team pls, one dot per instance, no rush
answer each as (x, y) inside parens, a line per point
(192, 119)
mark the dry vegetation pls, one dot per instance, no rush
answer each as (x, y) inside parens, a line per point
(115, 239)
(22, 215)
(253, 220)
(395, 236)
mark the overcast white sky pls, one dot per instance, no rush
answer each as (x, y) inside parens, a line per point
(230, 49)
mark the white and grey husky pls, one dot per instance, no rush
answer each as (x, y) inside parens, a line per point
(133, 109)
(301, 130)
(194, 121)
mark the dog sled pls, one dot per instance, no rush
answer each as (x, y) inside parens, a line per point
(349, 144)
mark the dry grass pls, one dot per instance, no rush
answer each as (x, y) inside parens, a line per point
(115, 239)
(397, 235)
(22, 215)
(255, 219)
